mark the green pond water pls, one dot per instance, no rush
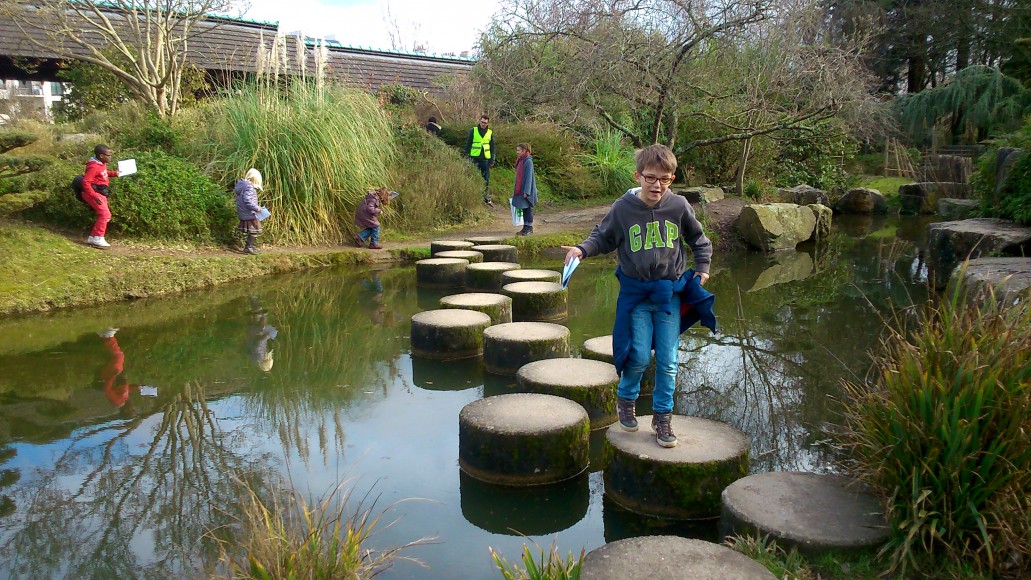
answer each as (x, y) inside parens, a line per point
(120, 457)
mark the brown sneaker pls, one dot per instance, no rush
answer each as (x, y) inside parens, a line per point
(661, 424)
(358, 241)
(626, 409)
(375, 247)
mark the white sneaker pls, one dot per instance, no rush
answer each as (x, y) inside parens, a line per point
(109, 333)
(97, 241)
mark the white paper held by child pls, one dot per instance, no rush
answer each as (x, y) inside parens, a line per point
(126, 167)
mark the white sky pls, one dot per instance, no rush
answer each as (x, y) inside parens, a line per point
(440, 25)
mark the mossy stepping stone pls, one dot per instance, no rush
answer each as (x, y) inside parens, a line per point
(485, 240)
(448, 334)
(537, 301)
(523, 439)
(680, 483)
(471, 256)
(669, 557)
(812, 512)
(448, 246)
(600, 348)
(588, 382)
(440, 273)
(497, 306)
(506, 347)
(497, 252)
(487, 276)
(530, 275)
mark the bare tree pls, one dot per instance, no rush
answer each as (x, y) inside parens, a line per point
(142, 42)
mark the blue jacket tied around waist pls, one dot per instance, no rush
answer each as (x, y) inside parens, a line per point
(695, 306)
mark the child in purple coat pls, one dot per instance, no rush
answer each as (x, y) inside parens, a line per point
(367, 217)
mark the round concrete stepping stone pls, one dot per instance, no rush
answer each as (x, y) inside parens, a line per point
(449, 245)
(440, 273)
(487, 276)
(600, 348)
(530, 275)
(537, 301)
(497, 252)
(669, 557)
(448, 334)
(485, 240)
(471, 256)
(524, 511)
(523, 439)
(680, 483)
(590, 383)
(812, 512)
(497, 306)
(506, 347)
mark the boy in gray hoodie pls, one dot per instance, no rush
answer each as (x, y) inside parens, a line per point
(648, 228)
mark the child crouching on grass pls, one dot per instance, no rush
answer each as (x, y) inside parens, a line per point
(367, 217)
(659, 297)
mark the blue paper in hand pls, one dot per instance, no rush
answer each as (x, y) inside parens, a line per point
(567, 271)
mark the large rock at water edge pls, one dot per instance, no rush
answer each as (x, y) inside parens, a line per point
(776, 226)
(958, 209)
(862, 200)
(701, 193)
(803, 195)
(824, 217)
(1007, 280)
(923, 197)
(949, 243)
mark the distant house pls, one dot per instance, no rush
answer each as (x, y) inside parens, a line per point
(227, 48)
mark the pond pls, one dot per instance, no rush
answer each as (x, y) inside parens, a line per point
(120, 456)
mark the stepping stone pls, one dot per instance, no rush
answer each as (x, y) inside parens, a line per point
(812, 512)
(497, 252)
(440, 273)
(506, 347)
(523, 439)
(485, 240)
(513, 276)
(669, 557)
(487, 276)
(590, 383)
(448, 334)
(600, 348)
(497, 306)
(524, 510)
(471, 256)
(680, 483)
(449, 245)
(537, 301)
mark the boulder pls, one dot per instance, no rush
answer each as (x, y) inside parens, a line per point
(862, 200)
(702, 193)
(1005, 157)
(1007, 280)
(923, 197)
(949, 243)
(824, 217)
(776, 226)
(946, 168)
(958, 209)
(803, 195)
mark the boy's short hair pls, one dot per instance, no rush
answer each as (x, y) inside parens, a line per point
(101, 149)
(658, 156)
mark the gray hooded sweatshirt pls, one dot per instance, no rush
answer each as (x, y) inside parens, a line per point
(650, 240)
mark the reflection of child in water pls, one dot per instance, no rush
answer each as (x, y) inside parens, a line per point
(259, 332)
(377, 306)
(116, 387)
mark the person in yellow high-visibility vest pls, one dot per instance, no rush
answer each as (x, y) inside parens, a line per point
(480, 148)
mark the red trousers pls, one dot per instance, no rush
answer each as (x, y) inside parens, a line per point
(99, 204)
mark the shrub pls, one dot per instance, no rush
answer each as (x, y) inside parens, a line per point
(1013, 200)
(319, 149)
(817, 157)
(612, 162)
(168, 198)
(550, 566)
(942, 433)
(132, 125)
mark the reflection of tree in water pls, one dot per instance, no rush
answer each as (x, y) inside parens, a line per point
(165, 478)
(775, 371)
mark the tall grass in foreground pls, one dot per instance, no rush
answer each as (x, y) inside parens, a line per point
(550, 566)
(612, 161)
(942, 431)
(289, 537)
(319, 148)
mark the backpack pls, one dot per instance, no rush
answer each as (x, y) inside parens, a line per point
(77, 188)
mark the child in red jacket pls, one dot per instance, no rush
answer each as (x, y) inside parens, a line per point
(367, 217)
(95, 184)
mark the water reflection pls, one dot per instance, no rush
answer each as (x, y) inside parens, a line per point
(94, 483)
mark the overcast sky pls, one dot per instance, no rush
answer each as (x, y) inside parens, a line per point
(441, 25)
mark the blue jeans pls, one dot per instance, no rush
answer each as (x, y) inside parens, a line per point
(648, 320)
(370, 233)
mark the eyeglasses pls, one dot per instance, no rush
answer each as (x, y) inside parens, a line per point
(650, 179)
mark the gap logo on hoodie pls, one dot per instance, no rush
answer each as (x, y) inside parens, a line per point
(652, 236)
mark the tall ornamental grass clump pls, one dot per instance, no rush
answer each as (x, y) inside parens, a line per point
(942, 432)
(612, 161)
(319, 148)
